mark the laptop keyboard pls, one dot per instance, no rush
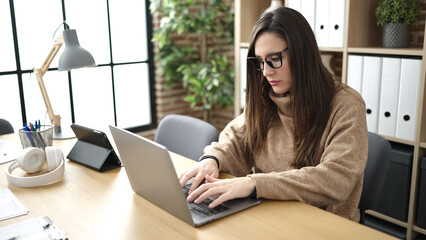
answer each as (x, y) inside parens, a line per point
(203, 208)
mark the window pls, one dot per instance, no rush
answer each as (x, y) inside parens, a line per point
(118, 91)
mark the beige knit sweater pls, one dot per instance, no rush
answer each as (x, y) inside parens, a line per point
(333, 184)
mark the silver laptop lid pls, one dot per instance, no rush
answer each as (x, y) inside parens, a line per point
(151, 172)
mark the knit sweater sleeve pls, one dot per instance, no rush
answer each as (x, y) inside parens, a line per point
(229, 150)
(341, 166)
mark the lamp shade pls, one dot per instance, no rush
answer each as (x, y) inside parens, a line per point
(74, 56)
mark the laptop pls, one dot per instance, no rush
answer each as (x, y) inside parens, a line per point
(152, 176)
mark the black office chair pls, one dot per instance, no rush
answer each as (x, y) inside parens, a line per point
(5, 127)
(185, 135)
(379, 157)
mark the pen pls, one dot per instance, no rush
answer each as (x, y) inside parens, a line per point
(14, 237)
(39, 142)
(38, 128)
(32, 127)
(29, 135)
(37, 135)
(26, 127)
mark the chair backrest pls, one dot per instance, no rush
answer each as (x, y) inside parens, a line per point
(5, 127)
(379, 157)
(185, 135)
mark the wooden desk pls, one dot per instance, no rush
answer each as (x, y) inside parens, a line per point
(92, 205)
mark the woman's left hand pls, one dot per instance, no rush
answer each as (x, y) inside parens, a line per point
(227, 189)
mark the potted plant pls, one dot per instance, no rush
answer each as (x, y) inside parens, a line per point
(205, 73)
(396, 17)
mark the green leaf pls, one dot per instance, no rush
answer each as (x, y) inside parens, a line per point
(209, 83)
(398, 11)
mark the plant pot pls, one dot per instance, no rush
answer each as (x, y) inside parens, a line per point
(396, 35)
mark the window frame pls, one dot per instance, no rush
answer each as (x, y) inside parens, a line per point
(150, 64)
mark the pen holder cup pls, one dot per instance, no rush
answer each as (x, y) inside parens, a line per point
(40, 138)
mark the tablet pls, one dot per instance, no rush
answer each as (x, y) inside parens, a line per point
(93, 149)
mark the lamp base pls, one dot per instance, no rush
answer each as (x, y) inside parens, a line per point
(62, 133)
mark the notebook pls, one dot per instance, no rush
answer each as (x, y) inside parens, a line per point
(152, 175)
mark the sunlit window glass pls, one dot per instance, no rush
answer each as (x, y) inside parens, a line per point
(93, 102)
(128, 30)
(57, 88)
(132, 89)
(7, 54)
(90, 96)
(9, 93)
(91, 24)
(36, 22)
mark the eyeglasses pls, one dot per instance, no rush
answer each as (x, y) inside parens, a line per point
(274, 60)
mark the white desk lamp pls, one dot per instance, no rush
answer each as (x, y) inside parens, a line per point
(73, 57)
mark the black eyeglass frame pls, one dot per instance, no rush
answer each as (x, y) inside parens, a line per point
(261, 62)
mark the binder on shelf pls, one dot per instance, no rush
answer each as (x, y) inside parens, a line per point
(421, 208)
(326, 18)
(407, 105)
(307, 9)
(391, 71)
(243, 75)
(371, 89)
(336, 23)
(321, 22)
(395, 194)
(295, 4)
(93, 149)
(355, 65)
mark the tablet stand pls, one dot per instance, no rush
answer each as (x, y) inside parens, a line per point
(93, 156)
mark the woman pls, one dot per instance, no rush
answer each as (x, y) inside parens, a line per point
(302, 136)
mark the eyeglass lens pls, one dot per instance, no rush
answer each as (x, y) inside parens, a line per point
(274, 61)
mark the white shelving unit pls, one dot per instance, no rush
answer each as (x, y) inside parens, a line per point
(361, 36)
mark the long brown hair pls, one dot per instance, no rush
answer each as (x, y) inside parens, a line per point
(311, 94)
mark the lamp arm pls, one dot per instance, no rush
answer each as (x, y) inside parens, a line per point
(54, 119)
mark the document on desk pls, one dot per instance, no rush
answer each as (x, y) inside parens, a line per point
(10, 206)
(39, 228)
(9, 151)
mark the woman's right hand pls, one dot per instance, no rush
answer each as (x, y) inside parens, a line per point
(199, 171)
